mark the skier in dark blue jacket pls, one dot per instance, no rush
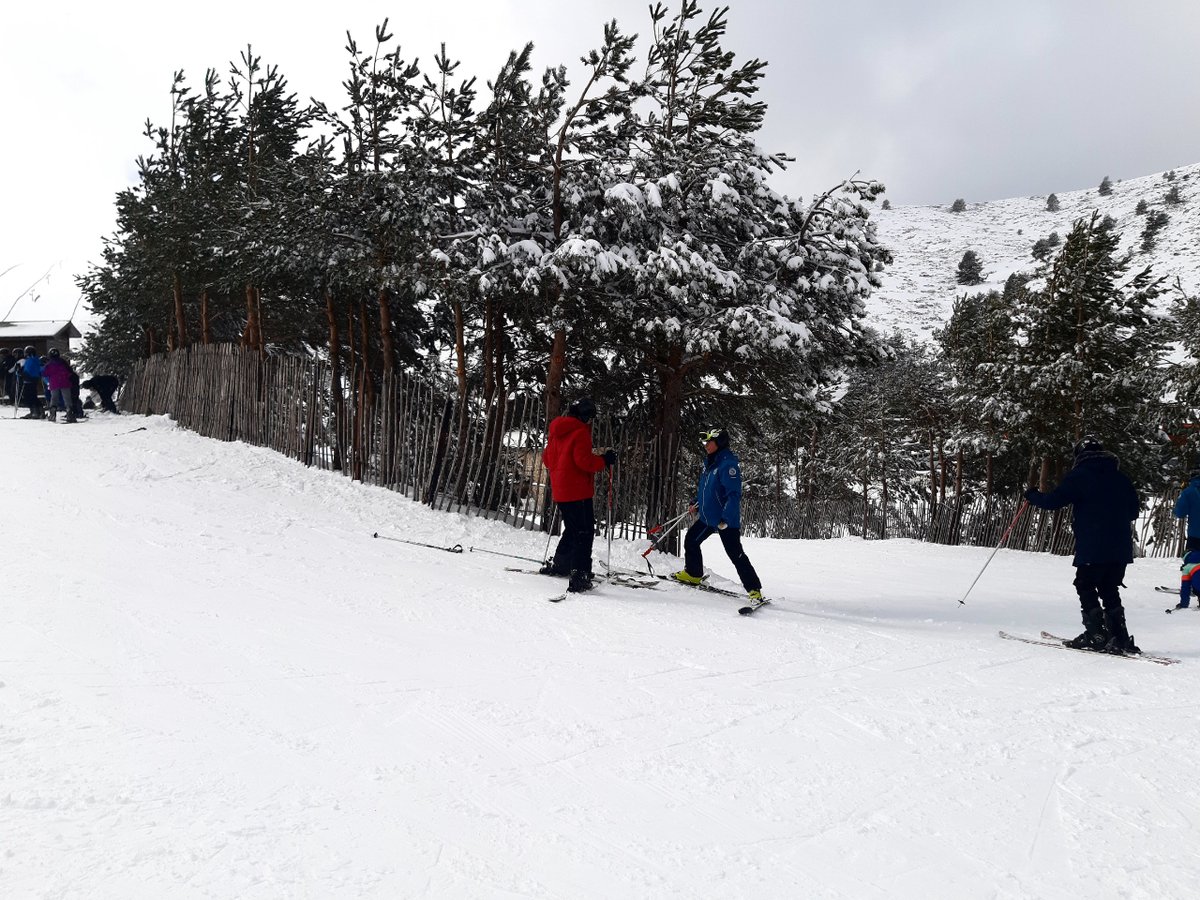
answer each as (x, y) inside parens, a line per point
(1188, 507)
(1105, 504)
(718, 506)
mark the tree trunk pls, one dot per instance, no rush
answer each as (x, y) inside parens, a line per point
(385, 332)
(181, 340)
(335, 379)
(554, 377)
(205, 324)
(661, 501)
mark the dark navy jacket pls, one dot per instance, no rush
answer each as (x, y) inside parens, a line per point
(1104, 506)
(719, 496)
(1188, 505)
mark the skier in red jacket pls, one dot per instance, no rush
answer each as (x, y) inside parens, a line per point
(573, 464)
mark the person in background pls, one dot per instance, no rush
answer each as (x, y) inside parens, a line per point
(7, 361)
(718, 506)
(1188, 507)
(58, 376)
(573, 464)
(31, 383)
(105, 386)
(1104, 505)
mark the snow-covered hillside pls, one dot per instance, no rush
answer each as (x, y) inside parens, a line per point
(927, 243)
(215, 683)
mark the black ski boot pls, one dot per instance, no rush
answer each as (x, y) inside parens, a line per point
(1120, 641)
(549, 569)
(580, 582)
(1095, 635)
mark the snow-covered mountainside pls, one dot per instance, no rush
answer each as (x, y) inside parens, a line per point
(928, 242)
(215, 683)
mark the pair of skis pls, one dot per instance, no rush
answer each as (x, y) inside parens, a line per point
(642, 580)
(1164, 589)
(1053, 640)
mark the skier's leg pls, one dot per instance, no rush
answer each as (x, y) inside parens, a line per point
(564, 553)
(693, 559)
(731, 538)
(1095, 634)
(1109, 587)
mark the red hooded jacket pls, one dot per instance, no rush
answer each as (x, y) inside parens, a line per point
(569, 458)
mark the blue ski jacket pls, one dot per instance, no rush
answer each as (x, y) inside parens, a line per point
(719, 496)
(1188, 506)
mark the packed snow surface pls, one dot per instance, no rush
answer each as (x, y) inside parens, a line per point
(216, 683)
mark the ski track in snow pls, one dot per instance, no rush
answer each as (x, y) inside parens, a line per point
(215, 683)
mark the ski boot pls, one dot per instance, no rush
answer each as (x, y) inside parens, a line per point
(756, 596)
(687, 578)
(580, 582)
(1122, 647)
(550, 569)
(1095, 635)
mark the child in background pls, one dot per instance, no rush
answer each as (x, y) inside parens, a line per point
(1189, 580)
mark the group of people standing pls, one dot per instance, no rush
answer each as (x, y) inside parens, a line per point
(1104, 504)
(573, 462)
(47, 385)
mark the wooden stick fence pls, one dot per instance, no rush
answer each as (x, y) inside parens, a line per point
(413, 435)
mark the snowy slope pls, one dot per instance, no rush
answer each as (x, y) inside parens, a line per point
(215, 683)
(927, 243)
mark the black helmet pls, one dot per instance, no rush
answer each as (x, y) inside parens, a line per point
(29, 351)
(582, 409)
(54, 352)
(718, 435)
(1087, 445)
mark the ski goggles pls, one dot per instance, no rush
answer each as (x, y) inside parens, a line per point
(710, 435)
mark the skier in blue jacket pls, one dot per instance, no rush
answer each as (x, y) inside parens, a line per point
(1188, 507)
(718, 507)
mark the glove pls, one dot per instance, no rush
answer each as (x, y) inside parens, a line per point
(610, 457)
(721, 526)
(1029, 494)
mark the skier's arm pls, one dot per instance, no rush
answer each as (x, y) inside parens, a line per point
(1063, 495)
(731, 512)
(583, 455)
(1180, 510)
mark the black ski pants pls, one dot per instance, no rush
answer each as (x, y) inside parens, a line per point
(574, 551)
(1101, 583)
(731, 538)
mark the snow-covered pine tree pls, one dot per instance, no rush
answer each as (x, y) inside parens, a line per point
(1089, 350)
(1105, 187)
(959, 205)
(1052, 204)
(728, 289)
(970, 269)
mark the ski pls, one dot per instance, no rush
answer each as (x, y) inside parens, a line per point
(754, 606)
(1050, 640)
(1166, 589)
(1175, 609)
(630, 581)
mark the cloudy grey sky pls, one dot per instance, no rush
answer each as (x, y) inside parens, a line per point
(939, 99)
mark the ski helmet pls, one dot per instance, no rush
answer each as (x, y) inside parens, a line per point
(719, 436)
(582, 409)
(1087, 445)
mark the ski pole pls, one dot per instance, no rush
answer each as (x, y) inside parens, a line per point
(509, 555)
(659, 533)
(1003, 541)
(457, 548)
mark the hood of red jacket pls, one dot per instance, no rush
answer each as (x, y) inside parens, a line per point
(563, 426)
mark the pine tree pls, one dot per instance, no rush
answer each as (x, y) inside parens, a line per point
(970, 269)
(1088, 349)
(1041, 249)
(1140, 209)
(959, 205)
(1105, 187)
(1172, 196)
(1155, 222)
(1052, 203)
(887, 204)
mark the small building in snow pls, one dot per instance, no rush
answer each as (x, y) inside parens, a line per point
(41, 335)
